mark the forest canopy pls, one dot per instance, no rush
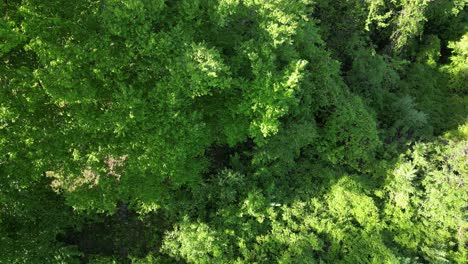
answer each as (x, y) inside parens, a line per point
(233, 131)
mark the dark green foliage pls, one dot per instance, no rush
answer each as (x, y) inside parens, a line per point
(30, 219)
(160, 131)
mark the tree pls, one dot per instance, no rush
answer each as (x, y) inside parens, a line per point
(232, 131)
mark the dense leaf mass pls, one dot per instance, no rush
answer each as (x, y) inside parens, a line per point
(233, 131)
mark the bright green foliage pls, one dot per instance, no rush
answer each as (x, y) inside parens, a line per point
(458, 68)
(409, 22)
(422, 199)
(227, 131)
(403, 21)
(405, 17)
(426, 195)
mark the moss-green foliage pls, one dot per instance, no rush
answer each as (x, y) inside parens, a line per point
(230, 131)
